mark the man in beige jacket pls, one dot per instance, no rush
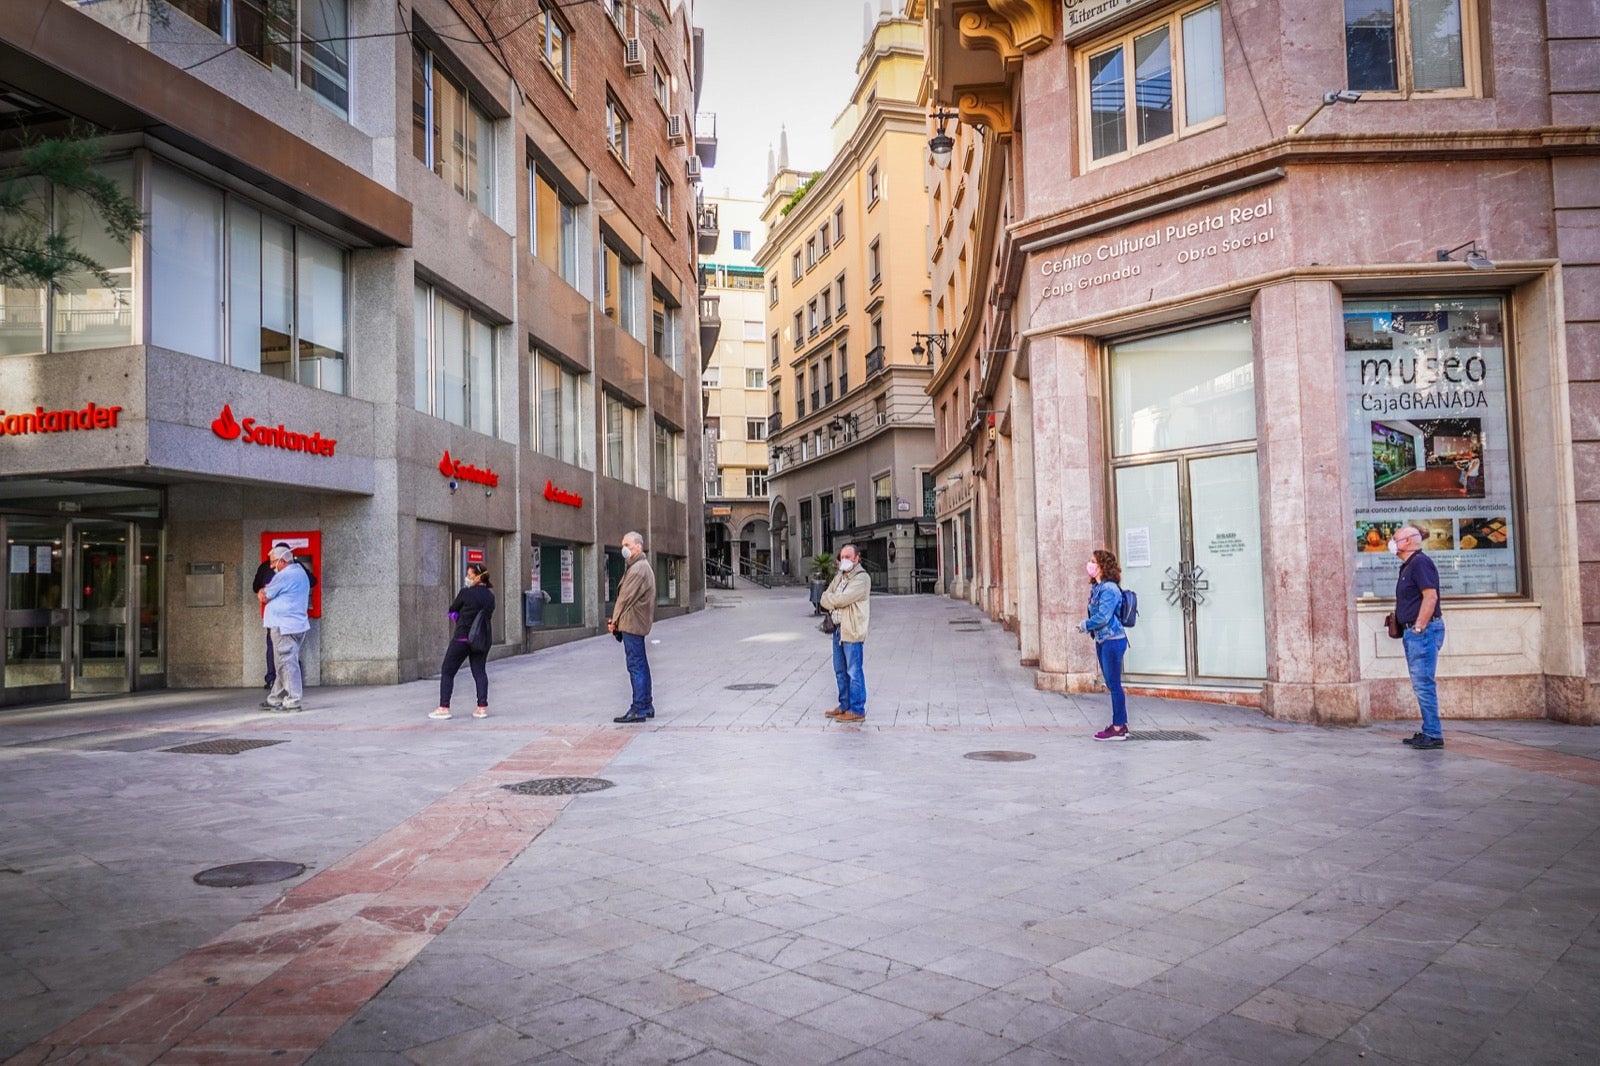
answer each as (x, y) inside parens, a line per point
(847, 599)
(631, 618)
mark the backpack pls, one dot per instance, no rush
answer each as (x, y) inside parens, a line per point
(479, 637)
(1128, 609)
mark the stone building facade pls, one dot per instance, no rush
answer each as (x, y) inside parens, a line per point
(417, 289)
(1266, 283)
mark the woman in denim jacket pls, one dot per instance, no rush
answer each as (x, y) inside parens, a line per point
(1110, 639)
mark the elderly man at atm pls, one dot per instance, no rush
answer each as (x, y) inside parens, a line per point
(286, 598)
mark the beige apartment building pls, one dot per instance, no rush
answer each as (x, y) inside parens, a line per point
(1246, 288)
(846, 265)
(734, 383)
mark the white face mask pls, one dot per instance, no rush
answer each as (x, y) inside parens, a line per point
(627, 552)
(1394, 549)
(847, 565)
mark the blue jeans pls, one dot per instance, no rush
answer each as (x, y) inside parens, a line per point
(1422, 660)
(850, 674)
(1110, 653)
(639, 674)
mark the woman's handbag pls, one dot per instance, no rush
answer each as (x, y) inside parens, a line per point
(828, 625)
(1392, 624)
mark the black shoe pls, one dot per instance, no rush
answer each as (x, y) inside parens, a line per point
(1426, 743)
(631, 717)
(1413, 738)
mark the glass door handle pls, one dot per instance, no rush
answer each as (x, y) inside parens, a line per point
(1186, 584)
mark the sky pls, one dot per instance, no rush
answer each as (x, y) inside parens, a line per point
(770, 64)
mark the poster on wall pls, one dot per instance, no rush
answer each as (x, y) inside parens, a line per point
(567, 591)
(1430, 441)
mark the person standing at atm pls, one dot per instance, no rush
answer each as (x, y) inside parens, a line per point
(286, 598)
(264, 574)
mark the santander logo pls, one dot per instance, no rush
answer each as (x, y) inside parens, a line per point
(467, 472)
(252, 432)
(555, 495)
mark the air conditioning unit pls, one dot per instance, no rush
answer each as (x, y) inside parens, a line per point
(675, 133)
(691, 167)
(633, 56)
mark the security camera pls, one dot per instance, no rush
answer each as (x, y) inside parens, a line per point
(454, 484)
(1340, 96)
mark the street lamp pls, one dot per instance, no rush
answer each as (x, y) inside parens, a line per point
(941, 144)
(936, 343)
(1474, 258)
(1329, 98)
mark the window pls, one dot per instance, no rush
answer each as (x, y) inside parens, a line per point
(805, 527)
(827, 306)
(844, 372)
(617, 12)
(454, 353)
(772, 349)
(563, 402)
(825, 512)
(772, 292)
(285, 311)
(663, 194)
(874, 185)
(811, 253)
(622, 441)
(755, 377)
(799, 330)
(668, 460)
(882, 498)
(753, 328)
(875, 264)
(667, 568)
(308, 40)
(838, 295)
(711, 378)
(755, 482)
(799, 267)
(555, 226)
(1175, 87)
(662, 88)
(83, 312)
(838, 224)
(1409, 46)
(811, 317)
(622, 285)
(450, 134)
(664, 331)
(554, 34)
(618, 125)
(755, 429)
(847, 508)
(824, 246)
(741, 243)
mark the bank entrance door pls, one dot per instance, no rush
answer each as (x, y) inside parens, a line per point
(82, 608)
(1187, 509)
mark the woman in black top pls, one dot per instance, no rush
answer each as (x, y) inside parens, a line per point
(473, 600)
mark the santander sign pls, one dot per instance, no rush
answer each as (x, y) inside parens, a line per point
(251, 432)
(467, 472)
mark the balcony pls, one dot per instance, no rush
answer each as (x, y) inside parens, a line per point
(705, 138)
(774, 422)
(710, 326)
(816, 399)
(875, 362)
(708, 229)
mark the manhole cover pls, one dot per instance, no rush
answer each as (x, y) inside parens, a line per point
(999, 756)
(240, 874)
(223, 746)
(559, 786)
(1164, 734)
(751, 687)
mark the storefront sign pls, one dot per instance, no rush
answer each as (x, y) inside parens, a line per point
(555, 495)
(1430, 441)
(1081, 17)
(251, 432)
(1136, 546)
(1218, 233)
(568, 590)
(41, 421)
(467, 472)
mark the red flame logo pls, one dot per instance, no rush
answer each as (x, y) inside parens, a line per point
(224, 426)
(446, 467)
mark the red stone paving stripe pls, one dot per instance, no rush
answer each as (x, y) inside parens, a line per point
(1576, 768)
(278, 984)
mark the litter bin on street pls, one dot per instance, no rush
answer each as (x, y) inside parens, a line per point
(818, 584)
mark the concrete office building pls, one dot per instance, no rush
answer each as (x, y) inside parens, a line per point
(417, 289)
(1268, 282)
(738, 529)
(846, 261)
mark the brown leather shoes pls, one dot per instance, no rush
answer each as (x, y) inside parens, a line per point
(836, 712)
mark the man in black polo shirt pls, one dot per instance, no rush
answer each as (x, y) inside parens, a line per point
(1416, 607)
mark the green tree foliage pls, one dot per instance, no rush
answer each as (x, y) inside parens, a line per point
(34, 250)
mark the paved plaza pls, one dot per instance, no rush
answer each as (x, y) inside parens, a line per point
(762, 885)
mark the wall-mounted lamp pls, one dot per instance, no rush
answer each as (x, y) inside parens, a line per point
(936, 343)
(1474, 258)
(1329, 99)
(941, 145)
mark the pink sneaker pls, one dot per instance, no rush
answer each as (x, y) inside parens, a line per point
(1113, 732)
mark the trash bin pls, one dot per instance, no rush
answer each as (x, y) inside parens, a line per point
(533, 602)
(817, 586)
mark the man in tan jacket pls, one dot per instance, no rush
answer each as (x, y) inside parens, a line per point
(847, 598)
(631, 618)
